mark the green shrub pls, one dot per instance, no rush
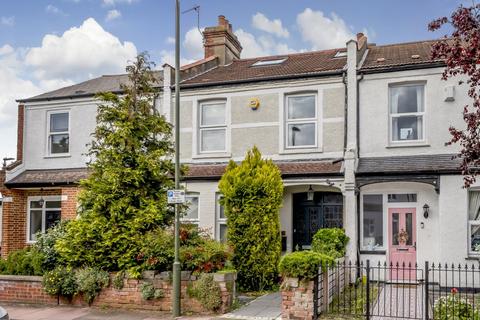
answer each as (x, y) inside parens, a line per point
(452, 307)
(118, 280)
(60, 281)
(330, 241)
(25, 262)
(207, 292)
(252, 197)
(157, 252)
(45, 244)
(90, 281)
(125, 194)
(208, 256)
(149, 292)
(303, 264)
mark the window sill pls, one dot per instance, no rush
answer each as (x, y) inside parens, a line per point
(301, 150)
(212, 155)
(473, 258)
(394, 145)
(379, 252)
(60, 155)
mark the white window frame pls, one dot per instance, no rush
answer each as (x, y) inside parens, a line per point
(287, 121)
(46, 199)
(202, 128)
(471, 223)
(219, 221)
(50, 133)
(391, 115)
(189, 220)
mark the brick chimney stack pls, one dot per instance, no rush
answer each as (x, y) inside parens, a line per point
(361, 40)
(220, 41)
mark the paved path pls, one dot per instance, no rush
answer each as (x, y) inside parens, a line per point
(399, 301)
(267, 307)
(26, 312)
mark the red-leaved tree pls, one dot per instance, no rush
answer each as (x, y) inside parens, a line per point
(461, 52)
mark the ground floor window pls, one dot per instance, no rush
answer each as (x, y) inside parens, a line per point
(372, 221)
(43, 213)
(474, 222)
(221, 227)
(191, 215)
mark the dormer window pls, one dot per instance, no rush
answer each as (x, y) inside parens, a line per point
(58, 133)
(340, 54)
(268, 62)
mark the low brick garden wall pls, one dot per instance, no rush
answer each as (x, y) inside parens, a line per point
(297, 299)
(29, 290)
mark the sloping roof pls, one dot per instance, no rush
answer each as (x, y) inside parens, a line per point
(438, 163)
(288, 169)
(297, 64)
(386, 57)
(45, 178)
(108, 83)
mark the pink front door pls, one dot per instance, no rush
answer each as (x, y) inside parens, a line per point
(402, 243)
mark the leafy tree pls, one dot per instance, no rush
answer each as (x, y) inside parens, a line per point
(252, 196)
(461, 52)
(125, 194)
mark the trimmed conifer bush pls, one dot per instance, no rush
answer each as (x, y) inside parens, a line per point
(252, 197)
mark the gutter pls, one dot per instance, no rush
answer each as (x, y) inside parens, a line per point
(385, 69)
(16, 185)
(286, 77)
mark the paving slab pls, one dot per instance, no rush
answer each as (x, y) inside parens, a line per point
(266, 307)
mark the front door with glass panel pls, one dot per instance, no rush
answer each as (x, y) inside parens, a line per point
(402, 243)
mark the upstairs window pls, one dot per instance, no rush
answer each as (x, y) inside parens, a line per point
(301, 121)
(407, 113)
(58, 133)
(213, 127)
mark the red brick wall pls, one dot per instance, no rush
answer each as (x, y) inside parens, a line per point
(22, 289)
(14, 226)
(297, 299)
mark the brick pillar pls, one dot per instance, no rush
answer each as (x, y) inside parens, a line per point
(14, 221)
(297, 299)
(69, 205)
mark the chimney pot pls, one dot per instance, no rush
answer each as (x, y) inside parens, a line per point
(360, 35)
(222, 21)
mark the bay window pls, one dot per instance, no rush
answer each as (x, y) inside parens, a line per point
(407, 112)
(43, 213)
(474, 222)
(372, 221)
(301, 121)
(58, 133)
(221, 220)
(191, 215)
(213, 127)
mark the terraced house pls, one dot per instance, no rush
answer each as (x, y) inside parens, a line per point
(358, 133)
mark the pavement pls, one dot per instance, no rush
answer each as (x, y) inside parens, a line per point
(29, 312)
(266, 307)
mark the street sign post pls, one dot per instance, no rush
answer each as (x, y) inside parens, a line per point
(175, 196)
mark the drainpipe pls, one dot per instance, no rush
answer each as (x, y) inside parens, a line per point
(345, 128)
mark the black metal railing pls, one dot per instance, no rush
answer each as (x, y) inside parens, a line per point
(398, 291)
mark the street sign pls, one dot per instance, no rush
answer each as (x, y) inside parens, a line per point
(176, 196)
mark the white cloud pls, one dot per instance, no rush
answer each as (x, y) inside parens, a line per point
(113, 14)
(260, 46)
(170, 40)
(275, 27)
(81, 52)
(7, 21)
(323, 32)
(112, 3)
(54, 10)
(193, 44)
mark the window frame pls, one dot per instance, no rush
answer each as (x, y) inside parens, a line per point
(384, 246)
(50, 133)
(315, 120)
(471, 223)
(43, 209)
(218, 220)
(190, 220)
(202, 128)
(397, 115)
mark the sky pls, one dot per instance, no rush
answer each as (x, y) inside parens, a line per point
(49, 44)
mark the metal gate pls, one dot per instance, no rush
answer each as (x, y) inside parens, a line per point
(387, 291)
